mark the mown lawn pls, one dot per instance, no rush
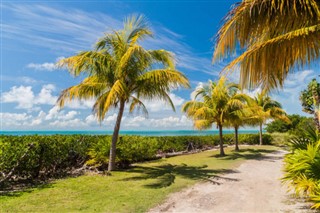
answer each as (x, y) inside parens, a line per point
(134, 190)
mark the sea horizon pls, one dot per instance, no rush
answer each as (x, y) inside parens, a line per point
(123, 132)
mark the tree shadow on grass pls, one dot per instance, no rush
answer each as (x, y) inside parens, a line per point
(164, 175)
(249, 154)
(19, 188)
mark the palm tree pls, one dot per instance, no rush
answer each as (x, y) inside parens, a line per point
(237, 116)
(263, 108)
(216, 99)
(276, 37)
(120, 71)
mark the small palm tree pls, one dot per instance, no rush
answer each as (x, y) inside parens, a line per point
(120, 72)
(237, 116)
(276, 37)
(263, 108)
(215, 100)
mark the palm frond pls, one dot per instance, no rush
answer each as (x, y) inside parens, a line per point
(89, 88)
(163, 57)
(136, 28)
(162, 79)
(137, 104)
(277, 37)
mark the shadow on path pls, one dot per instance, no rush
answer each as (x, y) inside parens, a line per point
(164, 175)
(249, 154)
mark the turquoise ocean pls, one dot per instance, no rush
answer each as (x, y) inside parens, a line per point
(135, 132)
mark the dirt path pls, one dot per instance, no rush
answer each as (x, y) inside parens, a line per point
(254, 187)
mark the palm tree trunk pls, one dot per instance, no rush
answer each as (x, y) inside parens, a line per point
(316, 103)
(112, 157)
(221, 141)
(260, 132)
(236, 138)
(317, 118)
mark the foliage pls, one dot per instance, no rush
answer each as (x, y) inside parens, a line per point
(58, 155)
(49, 156)
(302, 165)
(310, 100)
(120, 71)
(127, 190)
(276, 37)
(262, 108)
(297, 123)
(214, 104)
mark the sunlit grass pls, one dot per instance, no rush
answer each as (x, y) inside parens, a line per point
(134, 190)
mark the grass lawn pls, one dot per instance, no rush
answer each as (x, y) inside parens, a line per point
(133, 190)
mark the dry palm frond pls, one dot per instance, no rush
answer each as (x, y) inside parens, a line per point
(277, 36)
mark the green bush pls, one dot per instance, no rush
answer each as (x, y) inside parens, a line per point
(45, 155)
(302, 165)
(56, 155)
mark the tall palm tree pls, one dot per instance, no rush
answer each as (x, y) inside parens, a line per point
(276, 37)
(263, 108)
(120, 71)
(215, 100)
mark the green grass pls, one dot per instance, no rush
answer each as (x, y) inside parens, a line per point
(133, 190)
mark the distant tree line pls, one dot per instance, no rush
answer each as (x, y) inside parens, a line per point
(297, 123)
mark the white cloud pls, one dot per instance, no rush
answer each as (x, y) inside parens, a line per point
(56, 114)
(70, 115)
(13, 119)
(170, 122)
(91, 120)
(45, 96)
(193, 93)
(252, 93)
(22, 95)
(80, 104)
(111, 119)
(294, 84)
(39, 119)
(26, 99)
(53, 113)
(160, 105)
(44, 66)
(134, 122)
(70, 124)
(47, 66)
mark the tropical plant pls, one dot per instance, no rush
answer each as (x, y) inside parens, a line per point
(275, 36)
(310, 100)
(120, 71)
(302, 165)
(238, 116)
(308, 135)
(264, 108)
(213, 106)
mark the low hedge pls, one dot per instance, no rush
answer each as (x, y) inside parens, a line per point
(55, 155)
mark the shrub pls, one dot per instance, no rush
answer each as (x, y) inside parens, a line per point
(57, 155)
(302, 165)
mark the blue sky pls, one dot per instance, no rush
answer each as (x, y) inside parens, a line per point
(35, 34)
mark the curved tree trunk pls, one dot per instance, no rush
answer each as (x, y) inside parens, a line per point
(221, 141)
(236, 138)
(112, 157)
(260, 133)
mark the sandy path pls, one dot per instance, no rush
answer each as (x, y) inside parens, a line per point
(254, 187)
